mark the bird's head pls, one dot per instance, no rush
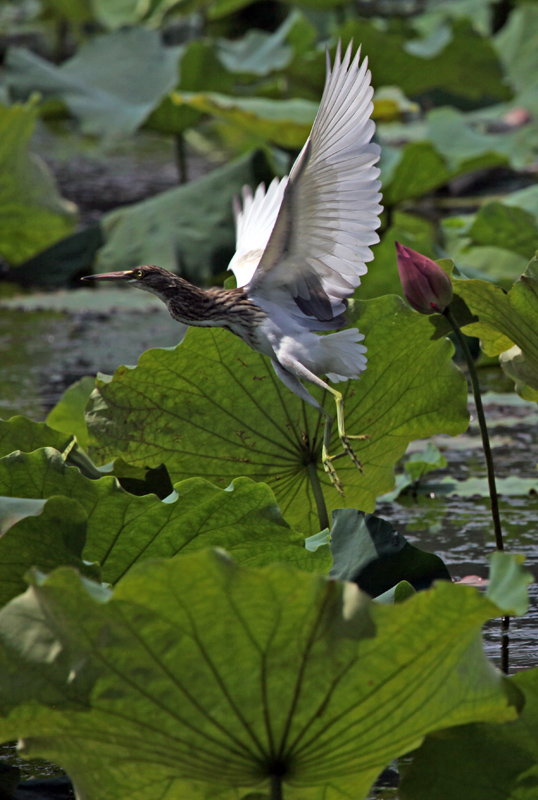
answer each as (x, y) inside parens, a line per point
(149, 278)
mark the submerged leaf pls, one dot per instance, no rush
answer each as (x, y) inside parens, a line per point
(200, 678)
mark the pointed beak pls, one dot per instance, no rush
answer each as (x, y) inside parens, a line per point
(110, 276)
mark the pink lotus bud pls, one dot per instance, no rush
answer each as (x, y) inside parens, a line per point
(426, 286)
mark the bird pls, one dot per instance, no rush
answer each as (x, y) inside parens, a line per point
(302, 246)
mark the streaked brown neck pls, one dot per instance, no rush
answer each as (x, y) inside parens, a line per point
(227, 308)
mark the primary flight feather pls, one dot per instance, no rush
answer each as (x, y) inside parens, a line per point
(302, 247)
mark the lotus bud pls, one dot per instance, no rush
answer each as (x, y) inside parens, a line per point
(426, 286)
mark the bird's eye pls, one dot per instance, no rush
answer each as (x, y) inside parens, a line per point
(139, 273)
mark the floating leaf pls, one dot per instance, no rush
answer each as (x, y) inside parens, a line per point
(368, 551)
(415, 468)
(214, 408)
(32, 213)
(324, 688)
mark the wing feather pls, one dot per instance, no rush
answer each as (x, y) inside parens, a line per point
(329, 209)
(254, 220)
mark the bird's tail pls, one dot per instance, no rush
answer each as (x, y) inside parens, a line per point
(343, 355)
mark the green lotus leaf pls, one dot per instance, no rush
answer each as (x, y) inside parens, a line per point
(488, 760)
(199, 70)
(285, 123)
(33, 216)
(39, 533)
(123, 529)
(214, 408)
(67, 415)
(466, 67)
(21, 433)
(368, 551)
(111, 85)
(517, 47)
(192, 225)
(507, 319)
(200, 678)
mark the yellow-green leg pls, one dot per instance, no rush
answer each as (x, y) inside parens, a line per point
(289, 373)
(344, 438)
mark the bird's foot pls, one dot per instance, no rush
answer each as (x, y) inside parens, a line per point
(348, 450)
(327, 461)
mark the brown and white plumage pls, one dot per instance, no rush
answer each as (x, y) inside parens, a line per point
(302, 248)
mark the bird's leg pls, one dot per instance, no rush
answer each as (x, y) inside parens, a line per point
(327, 460)
(344, 438)
(292, 382)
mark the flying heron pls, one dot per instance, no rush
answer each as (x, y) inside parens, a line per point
(302, 247)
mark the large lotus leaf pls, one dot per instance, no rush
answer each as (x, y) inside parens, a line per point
(507, 319)
(490, 761)
(32, 214)
(214, 408)
(199, 70)
(517, 47)
(504, 226)
(285, 123)
(466, 67)
(413, 171)
(466, 147)
(452, 149)
(199, 678)
(257, 52)
(55, 266)
(39, 533)
(368, 551)
(190, 227)
(123, 529)
(111, 85)
(498, 241)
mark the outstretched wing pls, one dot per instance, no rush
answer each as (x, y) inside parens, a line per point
(254, 220)
(329, 212)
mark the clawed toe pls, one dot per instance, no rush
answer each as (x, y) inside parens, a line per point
(349, 450)
(331, 472)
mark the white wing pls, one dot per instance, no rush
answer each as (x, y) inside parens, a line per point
(328, 216)
(254, 222)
